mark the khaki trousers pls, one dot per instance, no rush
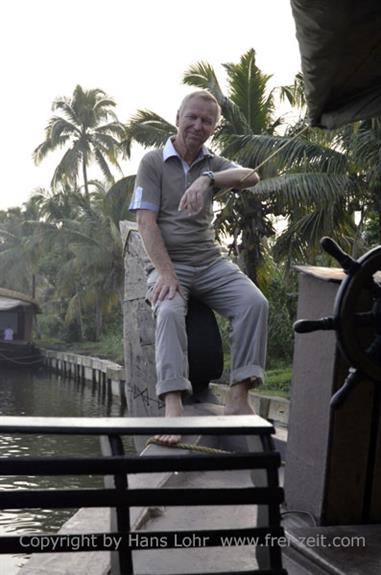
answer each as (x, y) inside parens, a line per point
(223, 287)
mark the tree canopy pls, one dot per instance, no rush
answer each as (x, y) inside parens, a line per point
(87, 127)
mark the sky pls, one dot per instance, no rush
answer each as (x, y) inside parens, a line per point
(136, 51)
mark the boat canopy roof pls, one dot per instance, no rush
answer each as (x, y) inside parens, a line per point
(10, 299)
(340, 47)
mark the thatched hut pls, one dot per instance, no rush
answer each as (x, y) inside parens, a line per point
(17, 312)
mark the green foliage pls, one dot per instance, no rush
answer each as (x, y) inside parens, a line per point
(311, 178)
(19, 252)
(50, 325)
(281, 294)
(278, 381)
(87, 127)
(68, 244)
(280, 290)
(72, 331)
(73, 248)
(371, 230)
(109, 346)
(147, 128)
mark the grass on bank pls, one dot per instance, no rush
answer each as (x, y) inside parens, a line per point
(278, 382)
(110, 346)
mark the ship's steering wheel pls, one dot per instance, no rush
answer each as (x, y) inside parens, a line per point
(357, 316)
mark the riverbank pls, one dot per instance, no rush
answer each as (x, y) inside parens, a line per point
(110, 348)
(38, 393)
(164, 519)
(107, 377)
(111, 376)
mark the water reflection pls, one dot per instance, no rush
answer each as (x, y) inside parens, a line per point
(43, 394)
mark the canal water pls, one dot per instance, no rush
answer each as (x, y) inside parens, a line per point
(44, 394)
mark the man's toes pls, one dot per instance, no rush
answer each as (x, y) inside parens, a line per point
(168, 439)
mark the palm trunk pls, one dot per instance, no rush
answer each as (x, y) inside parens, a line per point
(80, 318)
(85, 180)
(251, 254)
(254, 229)
(377, 207)
(98, 319)
(33, 286)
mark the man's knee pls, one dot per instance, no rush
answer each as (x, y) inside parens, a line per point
(171, 309)
(256, 302)
(263, 303)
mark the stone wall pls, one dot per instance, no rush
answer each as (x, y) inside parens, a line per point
(139, 330)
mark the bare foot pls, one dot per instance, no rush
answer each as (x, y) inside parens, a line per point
(237, 401)
(173, 408)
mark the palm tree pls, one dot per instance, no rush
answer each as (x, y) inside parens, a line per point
(304, 181)
(245, 134)
(246, 112)
(89, 130)
(18, 253)
(321, 192)
(53, 205)
(362, 144)
(81, 255)
(309, 182)
(92, 275)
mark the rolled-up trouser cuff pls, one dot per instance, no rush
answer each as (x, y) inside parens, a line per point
(177, 384)
(253, 372)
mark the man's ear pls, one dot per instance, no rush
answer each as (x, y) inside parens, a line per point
(177, 117)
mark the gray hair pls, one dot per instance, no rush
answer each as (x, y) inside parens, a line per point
(204, 95)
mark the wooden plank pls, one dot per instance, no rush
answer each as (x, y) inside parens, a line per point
(323, 273)
(207, 425)
(61, 498)
(136, 464)
(375, 504)
(138, 540)
(347, 458)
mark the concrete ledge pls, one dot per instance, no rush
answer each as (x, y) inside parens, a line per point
(88, 368)
(98, 521)
(267, 406)
(96, 562)
(84, 360)
(334, 550)
(139, 515)
(273, 408)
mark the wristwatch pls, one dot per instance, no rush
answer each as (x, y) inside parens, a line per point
(209, 174)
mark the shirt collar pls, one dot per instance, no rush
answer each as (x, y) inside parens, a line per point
(169, 151)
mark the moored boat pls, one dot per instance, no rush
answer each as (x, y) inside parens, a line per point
(17, 315)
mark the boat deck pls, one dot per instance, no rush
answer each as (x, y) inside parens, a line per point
(319, 557)
(19, 353)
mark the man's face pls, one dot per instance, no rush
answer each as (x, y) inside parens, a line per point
(196, 122)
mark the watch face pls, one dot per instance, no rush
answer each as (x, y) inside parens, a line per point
(210, 176)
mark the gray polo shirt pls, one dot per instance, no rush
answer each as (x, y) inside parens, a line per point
(162, 178)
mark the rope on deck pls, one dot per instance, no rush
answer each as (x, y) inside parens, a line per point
(188, 446)
(19, 361)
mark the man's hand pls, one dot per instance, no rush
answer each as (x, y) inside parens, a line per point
(167, 283)
(194, 198)
(165, 287)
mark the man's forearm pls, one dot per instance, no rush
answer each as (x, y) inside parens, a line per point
(194, 198)
(236, 178)
(155, 248)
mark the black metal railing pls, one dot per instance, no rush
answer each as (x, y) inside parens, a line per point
(122, 498)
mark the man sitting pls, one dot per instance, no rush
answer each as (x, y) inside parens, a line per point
(173, 199)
